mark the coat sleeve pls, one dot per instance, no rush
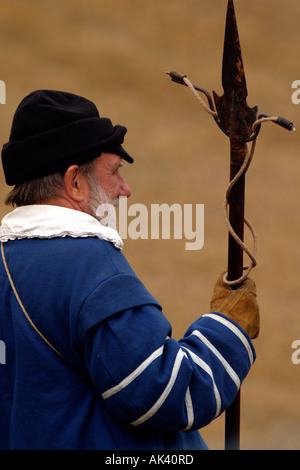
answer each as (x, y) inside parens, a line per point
(146, 378)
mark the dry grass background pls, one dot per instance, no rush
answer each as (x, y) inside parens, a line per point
(116, 53)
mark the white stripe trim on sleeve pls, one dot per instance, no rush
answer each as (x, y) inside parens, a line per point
(235, 330)
(117, 388)
(180, 355)
(189, 410)
(208, 370)
(232, 374)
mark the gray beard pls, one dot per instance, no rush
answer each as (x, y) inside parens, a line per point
(101, 205)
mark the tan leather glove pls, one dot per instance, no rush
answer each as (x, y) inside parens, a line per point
(240, 305)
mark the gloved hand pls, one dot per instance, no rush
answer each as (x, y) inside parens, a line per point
(240, 304)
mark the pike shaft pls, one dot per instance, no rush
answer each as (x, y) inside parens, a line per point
(236, 213)
(235, 271)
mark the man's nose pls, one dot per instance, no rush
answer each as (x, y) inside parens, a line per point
(124, 189)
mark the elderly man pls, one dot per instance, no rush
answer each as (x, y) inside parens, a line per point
(90, 359)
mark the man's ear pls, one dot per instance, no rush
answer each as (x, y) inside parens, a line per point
(75, 184)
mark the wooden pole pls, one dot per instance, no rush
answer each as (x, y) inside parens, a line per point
(237, 119)
(235, 271)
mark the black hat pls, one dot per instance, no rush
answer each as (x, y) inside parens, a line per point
(52, 130)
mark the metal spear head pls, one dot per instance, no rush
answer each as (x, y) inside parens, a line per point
(236, 117)
(233, 115)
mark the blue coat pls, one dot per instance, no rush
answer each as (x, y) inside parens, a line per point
(123, 382)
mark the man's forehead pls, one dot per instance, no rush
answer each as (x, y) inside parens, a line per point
(110, 159)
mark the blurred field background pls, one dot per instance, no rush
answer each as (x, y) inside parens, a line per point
(116, 53)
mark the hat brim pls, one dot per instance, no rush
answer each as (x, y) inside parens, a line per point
(119, 150)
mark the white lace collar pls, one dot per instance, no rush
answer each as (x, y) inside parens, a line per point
(45, 221)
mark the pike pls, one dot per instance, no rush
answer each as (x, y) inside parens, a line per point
(241, 124)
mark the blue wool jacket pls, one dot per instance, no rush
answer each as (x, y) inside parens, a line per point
(123, 382)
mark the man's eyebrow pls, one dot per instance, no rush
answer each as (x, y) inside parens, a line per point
(118, 165)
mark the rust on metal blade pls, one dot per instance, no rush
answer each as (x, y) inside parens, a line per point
(236, 116)
(233, 76)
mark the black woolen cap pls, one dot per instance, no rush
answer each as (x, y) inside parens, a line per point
(52, 130)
